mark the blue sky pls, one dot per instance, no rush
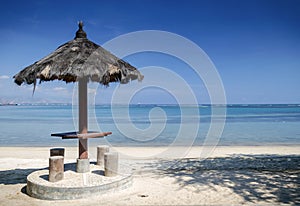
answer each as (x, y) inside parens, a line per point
(255, 45)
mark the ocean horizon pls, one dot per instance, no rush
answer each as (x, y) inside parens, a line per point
(151, 124)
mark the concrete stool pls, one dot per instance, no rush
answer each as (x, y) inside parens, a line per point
(111, 164)
(56, 168)
(101, 149)
(57, 152)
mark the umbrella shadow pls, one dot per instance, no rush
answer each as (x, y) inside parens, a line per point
(268, 178)
(16, 176)
(19, 176)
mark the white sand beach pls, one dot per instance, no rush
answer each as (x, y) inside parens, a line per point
(230, 175)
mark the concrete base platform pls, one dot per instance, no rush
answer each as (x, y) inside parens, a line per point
(76, 185)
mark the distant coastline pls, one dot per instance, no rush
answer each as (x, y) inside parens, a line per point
(161, 105)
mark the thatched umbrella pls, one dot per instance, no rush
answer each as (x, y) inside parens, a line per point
(80, 60)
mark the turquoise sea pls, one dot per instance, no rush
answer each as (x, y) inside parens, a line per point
(151, 125)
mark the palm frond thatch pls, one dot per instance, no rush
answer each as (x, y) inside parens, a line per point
(77, 59)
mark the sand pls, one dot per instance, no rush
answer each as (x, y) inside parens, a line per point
(227, 175)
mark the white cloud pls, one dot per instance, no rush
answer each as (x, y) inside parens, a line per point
(4, 77)
(92, 91)
(59, 89)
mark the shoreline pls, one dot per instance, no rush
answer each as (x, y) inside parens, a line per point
(154, 152)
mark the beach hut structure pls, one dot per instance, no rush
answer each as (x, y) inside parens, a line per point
(80, 60)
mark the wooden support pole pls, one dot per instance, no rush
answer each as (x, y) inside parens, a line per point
(83, 117)
(111, 164)
(56, 168)
(101, 150)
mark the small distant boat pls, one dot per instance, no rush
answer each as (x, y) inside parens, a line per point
(9, 104)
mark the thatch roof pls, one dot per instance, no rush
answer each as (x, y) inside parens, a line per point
(76, 59)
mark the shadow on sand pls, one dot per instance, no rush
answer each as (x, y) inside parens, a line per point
(268, 178)
(15, 176)
(19, 176)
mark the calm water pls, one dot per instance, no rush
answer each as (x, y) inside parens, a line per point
(152, 125)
